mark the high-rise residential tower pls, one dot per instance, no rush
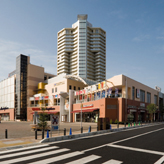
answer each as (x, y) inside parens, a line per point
(81, 50)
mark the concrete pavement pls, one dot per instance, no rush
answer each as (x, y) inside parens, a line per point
(21, 135)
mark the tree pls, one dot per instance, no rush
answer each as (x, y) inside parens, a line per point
(43, 119)
(151, 109)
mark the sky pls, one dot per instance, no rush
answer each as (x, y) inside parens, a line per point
(134, 34)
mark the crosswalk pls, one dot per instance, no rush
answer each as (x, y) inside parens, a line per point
(44, 154)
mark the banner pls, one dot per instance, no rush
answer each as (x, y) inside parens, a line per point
(94, 87)
(95, 96)
(116, 92)
(98, 95)
(103, 94)
(109, 92)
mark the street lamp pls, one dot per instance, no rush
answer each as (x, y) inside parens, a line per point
(81, 114)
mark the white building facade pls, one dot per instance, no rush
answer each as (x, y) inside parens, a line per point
(82, 50)
(7, 92)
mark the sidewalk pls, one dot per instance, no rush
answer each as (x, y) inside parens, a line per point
(11, 143)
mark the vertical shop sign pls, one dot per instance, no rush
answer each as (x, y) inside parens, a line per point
(138, 93)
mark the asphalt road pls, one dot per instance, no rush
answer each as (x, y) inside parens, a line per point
(136, 146)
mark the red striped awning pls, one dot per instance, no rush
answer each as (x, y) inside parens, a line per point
(36, 98)
(85, 110)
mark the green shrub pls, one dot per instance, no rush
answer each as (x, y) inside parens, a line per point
(116, 121)
(111, 121)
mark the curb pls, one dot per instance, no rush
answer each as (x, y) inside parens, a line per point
(68, 137)
(16, 147)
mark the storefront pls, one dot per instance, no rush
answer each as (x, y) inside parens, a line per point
(7, 115)
(88, 115)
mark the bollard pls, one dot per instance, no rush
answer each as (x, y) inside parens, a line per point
(43, 134)
(128, 124)
(81, 129)
(125, 124)
(89, 130)
(47, 134)
(117, 125)
(110, 126)
(139, 123)
(131, 123)
(70, 132)
(5, 133)
(36, 134)
(64, 131)
(134, 124)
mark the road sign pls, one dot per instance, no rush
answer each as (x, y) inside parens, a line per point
(54, 122)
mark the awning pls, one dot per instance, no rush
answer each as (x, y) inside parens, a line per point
(46, 112)
(85, 110)
(35, 109)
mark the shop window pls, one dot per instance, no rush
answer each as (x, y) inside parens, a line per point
(52, 90)
(55, 89)
(70, 87)
(74, 88)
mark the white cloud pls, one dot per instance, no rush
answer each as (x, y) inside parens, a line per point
(141, 38)
(10, 50)
(160, 37)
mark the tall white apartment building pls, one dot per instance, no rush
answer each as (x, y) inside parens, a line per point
(81, 50)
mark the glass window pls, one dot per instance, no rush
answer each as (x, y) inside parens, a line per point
(75, 88)
(70, 87)
(55, 89)
(148, 97)
(133, 93)
(52, 90)
(78, 88)
(155, 100)
(142, 95)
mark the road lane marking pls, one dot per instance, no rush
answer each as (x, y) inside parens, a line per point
(106, 133)
(136, 136)
(25, 148)
(138, 149)
(33, 156)
(112, 161)
(121, 140)
(58, 158)
(160, 160)
(85, 159)
(27, 152)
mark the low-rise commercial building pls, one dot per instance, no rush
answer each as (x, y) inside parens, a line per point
(118, 98)
(16, 90)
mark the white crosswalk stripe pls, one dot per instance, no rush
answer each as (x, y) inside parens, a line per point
(85, 159)
(24, 155)
(28, 152)
(112, 161)
(61, 157)
(25, 148)
(33, 156)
